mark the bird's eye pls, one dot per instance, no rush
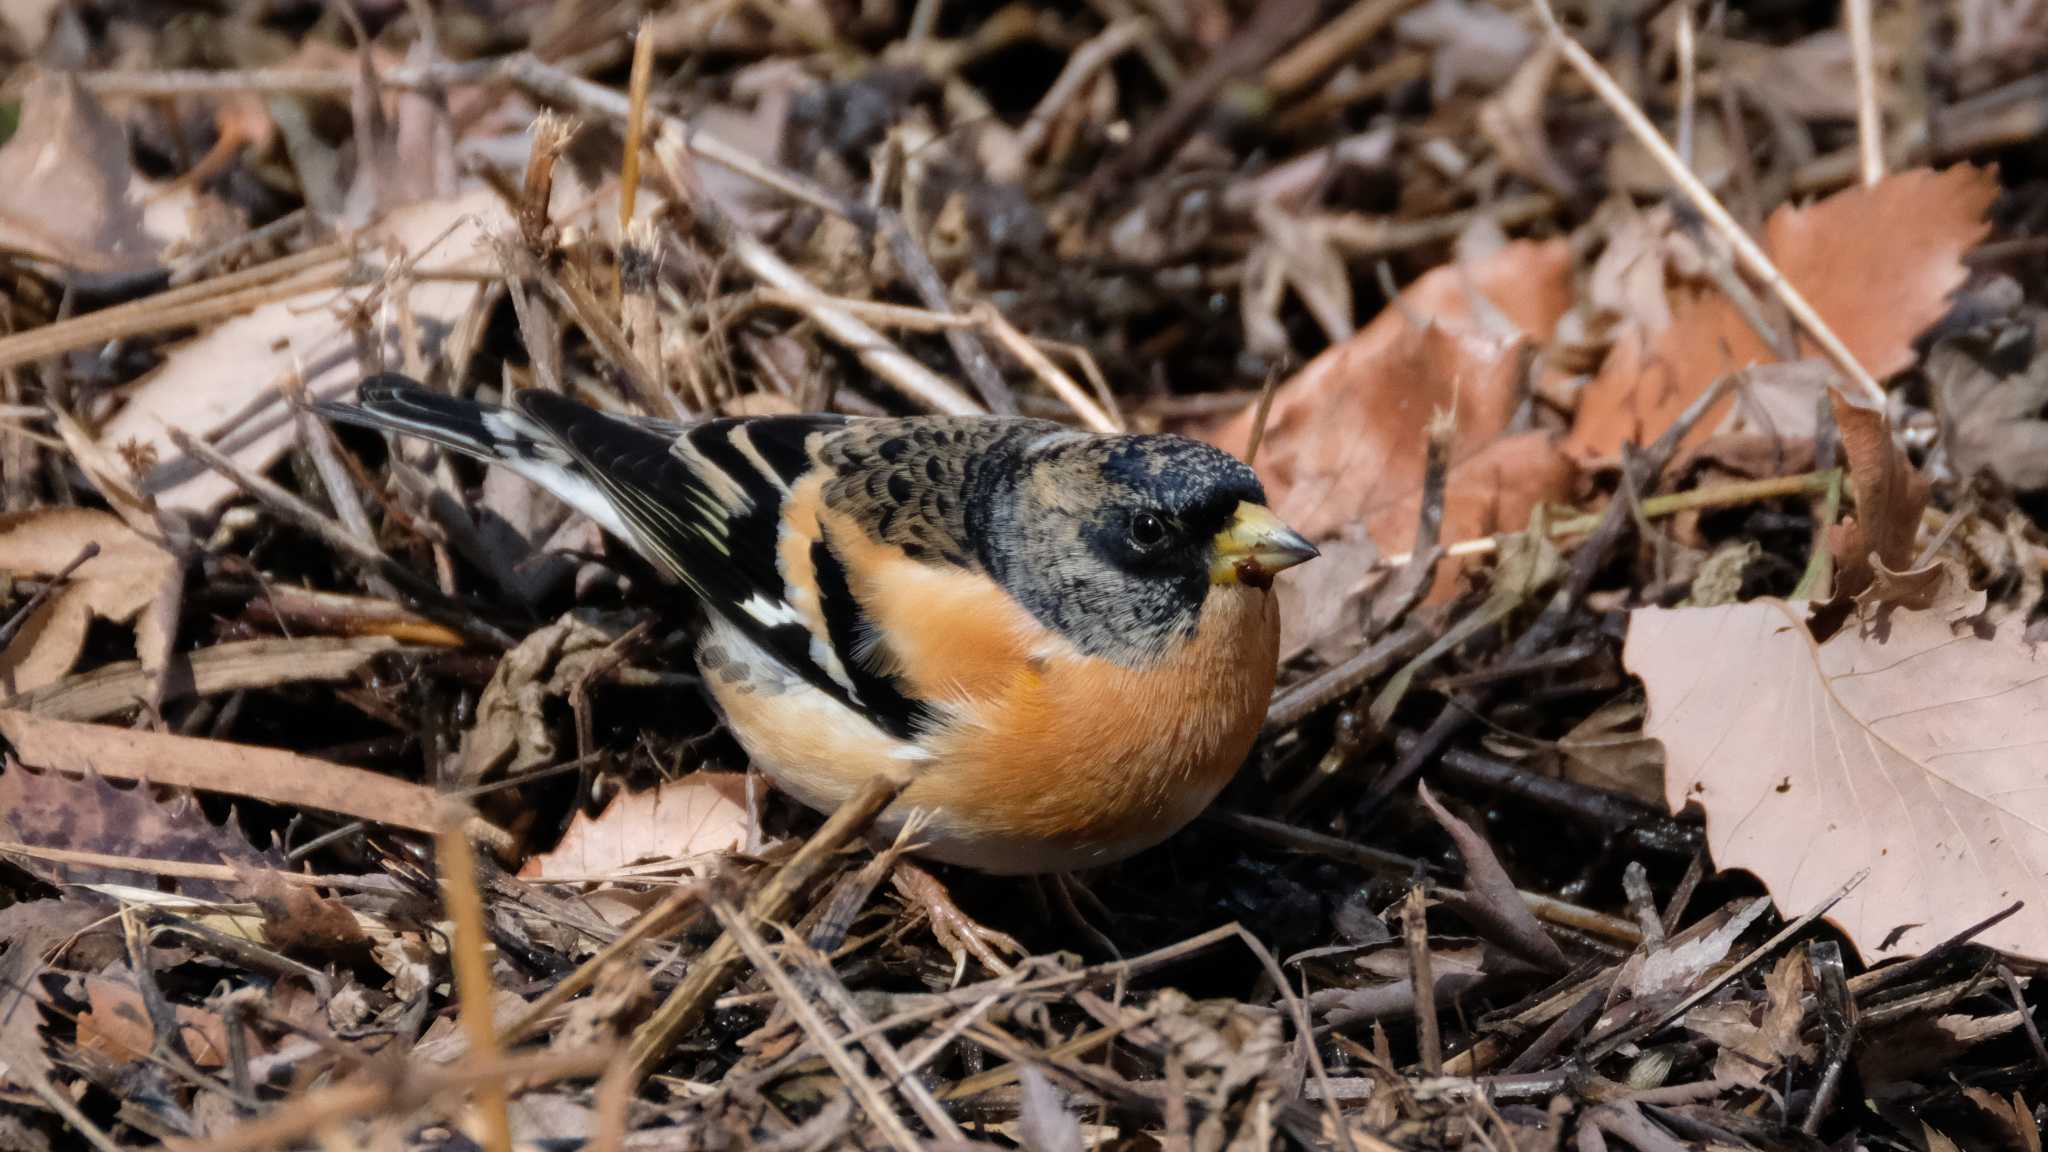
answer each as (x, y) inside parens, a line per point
(1147, 530)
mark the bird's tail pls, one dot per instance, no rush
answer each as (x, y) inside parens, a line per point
(390, 402)
(394, 403)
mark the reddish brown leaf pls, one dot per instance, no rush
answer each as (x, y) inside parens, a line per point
(115, 1027)
(298, 919)
(1345, 440)
(1877, 263)
(1890, 494)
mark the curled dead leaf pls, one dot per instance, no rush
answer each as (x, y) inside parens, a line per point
(1890, 494)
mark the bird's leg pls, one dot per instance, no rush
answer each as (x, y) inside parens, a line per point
(957, 932)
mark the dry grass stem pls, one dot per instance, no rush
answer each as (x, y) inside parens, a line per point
(473, 984)
(1869, 120)
(1747, 251)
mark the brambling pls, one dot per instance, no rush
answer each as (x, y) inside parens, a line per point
(1064, 642)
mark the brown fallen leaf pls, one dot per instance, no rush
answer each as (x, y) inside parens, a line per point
(115, 1026)
(1477, 45)
(120, 584)
(1991, 421)
(1608, 750)
(69, 194)
(1345, 439)
(1755, 1042)
(269, 774)
(1890, 495)
(298, 919)
(88, 814)
(2012, 1116)
(33, 930)
(1512, 121)
(1812, 78)
(243, 412)
(697, 815)
(513, 732)
(1877, 263)
(1914, 756)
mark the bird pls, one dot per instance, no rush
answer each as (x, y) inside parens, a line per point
(1061, 642)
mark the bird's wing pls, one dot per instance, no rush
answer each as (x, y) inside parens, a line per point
(712, 504)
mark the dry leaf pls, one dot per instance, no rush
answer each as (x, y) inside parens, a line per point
(269, 774)
(1512, 121)
(513, 733)
(1878, 264)
(1756, 1043)
(28, 21)
(2012, 1115)
(698, 815)
(87, 814)
(1913, 756)
(1299, 248)
(115, 1026)
(1345, 439)
(1780, 402)
(120, 584)
(1890, 494)
(243, 412)
(1323, 605)
(1813, 78)
(1492, 905)
(1992, 422)
(298, 919)
(68, 191)
(1608, 750)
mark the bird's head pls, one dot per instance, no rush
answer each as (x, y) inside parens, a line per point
(1120, 540)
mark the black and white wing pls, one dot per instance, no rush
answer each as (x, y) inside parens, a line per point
(704, 502)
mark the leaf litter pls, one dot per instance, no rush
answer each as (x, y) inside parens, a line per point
(353, 791)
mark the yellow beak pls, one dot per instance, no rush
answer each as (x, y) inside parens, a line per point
(1254, 546)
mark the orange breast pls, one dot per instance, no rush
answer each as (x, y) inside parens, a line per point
(1080, 752)
(1051, 759)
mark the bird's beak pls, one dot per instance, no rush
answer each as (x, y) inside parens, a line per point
(1254, 546)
